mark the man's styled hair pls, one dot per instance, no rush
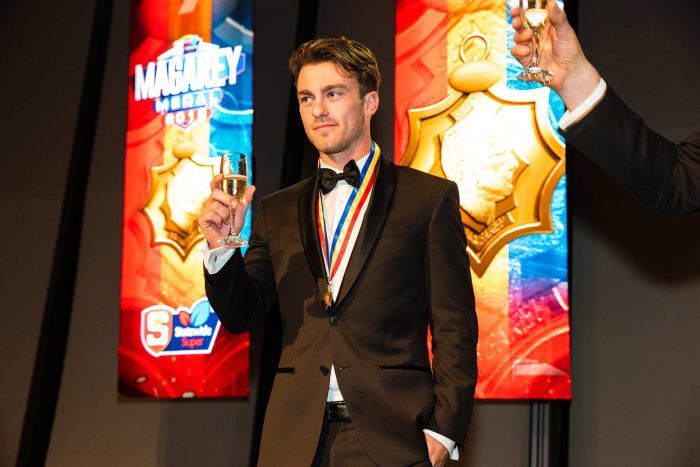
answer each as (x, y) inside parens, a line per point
(352, 57)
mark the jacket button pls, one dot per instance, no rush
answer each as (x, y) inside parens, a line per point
(334, 320)
(324, 370)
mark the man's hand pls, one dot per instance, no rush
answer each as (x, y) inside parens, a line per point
(560, 53)
(437, 452)
(215, 216)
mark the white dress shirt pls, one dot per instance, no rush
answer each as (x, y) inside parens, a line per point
(573, 116)
(333, 205)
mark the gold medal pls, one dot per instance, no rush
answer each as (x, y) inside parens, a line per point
(327, 297)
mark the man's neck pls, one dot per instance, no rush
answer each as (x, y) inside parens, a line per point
(339, 160)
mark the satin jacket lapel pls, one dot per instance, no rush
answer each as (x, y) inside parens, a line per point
(309, 234)
(372, 225)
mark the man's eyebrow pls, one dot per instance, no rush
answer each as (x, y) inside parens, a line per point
(334, 86)
(306, 92)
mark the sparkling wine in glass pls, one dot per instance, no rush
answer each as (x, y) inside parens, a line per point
(234, 167)
(534, 16)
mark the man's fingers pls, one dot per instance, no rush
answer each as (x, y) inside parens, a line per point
(212, 217)
(217, 194)
(239, 215)
(521, 51)
(223, 198)
(215, 183)
(240, 210)
(517, 22)
(249, 192)
(524, 36)
(221, 210)
(238, 220)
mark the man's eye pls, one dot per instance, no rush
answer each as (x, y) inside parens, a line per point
(333, 93)
(304, 99)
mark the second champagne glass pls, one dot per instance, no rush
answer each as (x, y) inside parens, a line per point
(534, 15)
(234, 167)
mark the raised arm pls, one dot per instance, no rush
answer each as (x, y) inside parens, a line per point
(243, 290)
(663, 175)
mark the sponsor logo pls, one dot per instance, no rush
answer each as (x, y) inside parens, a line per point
(185, 331)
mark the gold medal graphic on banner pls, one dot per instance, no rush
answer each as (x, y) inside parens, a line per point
(497, 144)
(179, 188)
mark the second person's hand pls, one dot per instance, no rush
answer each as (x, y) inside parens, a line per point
(560, 53)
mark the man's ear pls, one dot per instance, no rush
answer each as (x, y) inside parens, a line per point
(371, 103)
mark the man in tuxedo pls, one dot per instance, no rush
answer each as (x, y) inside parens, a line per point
(663, 175)
(363, 259)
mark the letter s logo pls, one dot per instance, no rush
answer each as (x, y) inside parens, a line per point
(156, 328)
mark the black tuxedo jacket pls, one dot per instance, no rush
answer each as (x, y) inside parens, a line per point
(407, 272)
(663, 175)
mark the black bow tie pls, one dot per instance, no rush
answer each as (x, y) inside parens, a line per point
(328, 179)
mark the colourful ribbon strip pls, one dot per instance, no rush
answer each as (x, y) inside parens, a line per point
(333, 256)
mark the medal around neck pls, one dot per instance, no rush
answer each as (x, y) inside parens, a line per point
(327, 297)
(334, 248)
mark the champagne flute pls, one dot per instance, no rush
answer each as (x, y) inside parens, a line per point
(234, 167)
(534, 16)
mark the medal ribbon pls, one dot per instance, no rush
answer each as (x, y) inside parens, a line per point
(333, 256)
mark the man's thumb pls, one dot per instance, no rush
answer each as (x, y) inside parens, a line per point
(557, 16)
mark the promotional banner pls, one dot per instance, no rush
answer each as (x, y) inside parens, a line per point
(190, 101)
(463, 114)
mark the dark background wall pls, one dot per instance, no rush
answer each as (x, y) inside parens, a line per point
(635, 280)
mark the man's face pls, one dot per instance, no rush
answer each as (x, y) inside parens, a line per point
(335, 117)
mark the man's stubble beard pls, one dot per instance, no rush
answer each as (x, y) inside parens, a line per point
(344, 143)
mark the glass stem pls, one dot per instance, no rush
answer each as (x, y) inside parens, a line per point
(535, 51)
(230, 220)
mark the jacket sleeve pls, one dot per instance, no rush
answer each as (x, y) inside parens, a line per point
(663, 175)
(453, 321)
(244, 290)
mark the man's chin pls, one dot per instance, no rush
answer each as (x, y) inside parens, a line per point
(328, 148)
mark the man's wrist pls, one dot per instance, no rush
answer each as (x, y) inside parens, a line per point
(450, 446)
(579, 84)
(215, 258)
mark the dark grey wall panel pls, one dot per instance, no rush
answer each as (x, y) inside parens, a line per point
(498, 436)
(372, 23)
(275, 31)
(42, 63)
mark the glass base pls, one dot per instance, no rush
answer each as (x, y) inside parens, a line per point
(536, 75)
(232, 241)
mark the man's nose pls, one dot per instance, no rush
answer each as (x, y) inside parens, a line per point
(319, 109)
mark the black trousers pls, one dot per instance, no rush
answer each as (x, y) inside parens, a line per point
(339, 446)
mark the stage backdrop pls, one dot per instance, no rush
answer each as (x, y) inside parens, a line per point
(462, 114)
(190, 100)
